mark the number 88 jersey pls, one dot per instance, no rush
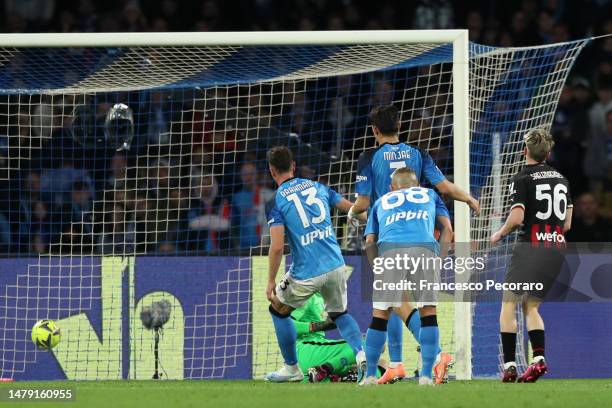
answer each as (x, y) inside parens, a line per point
(544, 194)
(406, 216)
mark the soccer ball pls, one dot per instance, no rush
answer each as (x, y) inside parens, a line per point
(46, 334)
(119, 126)
(92, 128)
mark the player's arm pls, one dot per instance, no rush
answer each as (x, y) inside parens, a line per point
(322, 326)
(567, 225)
(361, 205)
(302, 328)
(345, 206)
(514, 220)
(518, 198)
(363, 185)
(446, 233)
(448, 189)
(371, 248)
(444, 225)
(371, 235)
(275, 256)
(341, 203)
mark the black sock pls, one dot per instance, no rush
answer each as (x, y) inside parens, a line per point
(407, 322)
(536, 338)
(509, 346)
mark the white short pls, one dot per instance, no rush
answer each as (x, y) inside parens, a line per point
(384, 300)
(331, 285)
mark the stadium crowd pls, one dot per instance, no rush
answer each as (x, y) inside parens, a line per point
(181, 206)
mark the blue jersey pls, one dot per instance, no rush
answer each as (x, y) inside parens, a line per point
(375, 167)
(303, 206)
(406, 216)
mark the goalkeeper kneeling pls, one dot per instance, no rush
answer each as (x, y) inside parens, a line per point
(322, 359)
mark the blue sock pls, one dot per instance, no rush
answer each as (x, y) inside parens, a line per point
(349, 330)
(286, 336)
(429, 339)
(374, 344)
(395, 330)
(414, 325)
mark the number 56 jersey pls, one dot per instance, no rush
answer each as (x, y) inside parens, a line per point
(544, 194)
(304, 207)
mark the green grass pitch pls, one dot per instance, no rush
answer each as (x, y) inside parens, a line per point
(254, 394)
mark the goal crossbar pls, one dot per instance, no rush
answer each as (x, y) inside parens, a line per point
(184, 39)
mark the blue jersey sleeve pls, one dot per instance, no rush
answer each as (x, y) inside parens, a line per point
(372, 224)
(273, 213)
(363, 185)
(333, 196)
(429, 170)
(441, 210)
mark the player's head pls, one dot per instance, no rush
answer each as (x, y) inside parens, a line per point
(586, 205)
(403, 178)
(280, 161)
(384, 120)
(538, 144)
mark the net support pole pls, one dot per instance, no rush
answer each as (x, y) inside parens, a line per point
(461, 172)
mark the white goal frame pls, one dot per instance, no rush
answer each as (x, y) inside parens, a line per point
(461, 125)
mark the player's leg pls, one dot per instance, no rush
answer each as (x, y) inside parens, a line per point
(286, 336)
(290, 295)
(376, 336)
(519, 271)
(413, 320)
(395, 339)
(333, 287)
(395, 324)
(324, 358)
(429, 339)
(535, 329)
(396, 370)
(535, 326)
(507, 332)
(331, 360)
(435, 363)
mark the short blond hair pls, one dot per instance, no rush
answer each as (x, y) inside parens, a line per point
(539, 143)
(404, 177)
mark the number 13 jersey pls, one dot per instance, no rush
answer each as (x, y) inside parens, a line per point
(544, 194)
(304, 207)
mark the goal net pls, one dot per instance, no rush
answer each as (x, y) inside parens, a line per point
(96, 232)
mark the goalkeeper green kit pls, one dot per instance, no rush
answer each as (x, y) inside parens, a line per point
(313, 348)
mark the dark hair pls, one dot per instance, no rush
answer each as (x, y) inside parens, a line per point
(280, 157)
(80, 186)
(385, 118)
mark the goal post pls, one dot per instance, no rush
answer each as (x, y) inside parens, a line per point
(461, 172)
(206, 107)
